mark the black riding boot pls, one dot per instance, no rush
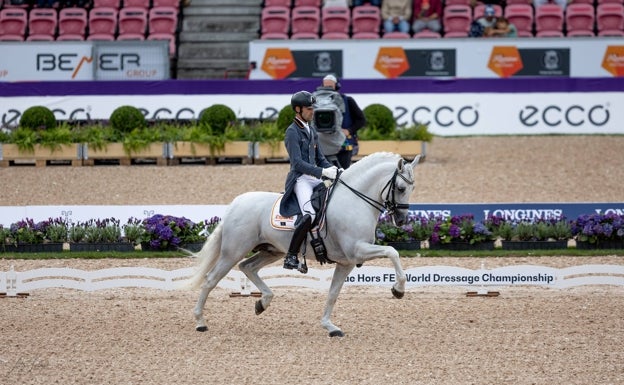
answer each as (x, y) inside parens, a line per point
(301, 232)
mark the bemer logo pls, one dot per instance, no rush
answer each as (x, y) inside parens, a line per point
(61, 62)
(118, 61)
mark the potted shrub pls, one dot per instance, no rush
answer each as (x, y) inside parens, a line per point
(30, 236)
(599, 231)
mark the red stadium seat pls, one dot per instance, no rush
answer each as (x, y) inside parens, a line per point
(163, 20)
(549, 33)
(427, 34)
(70, 37)
(145, 4)
(610, 16)
(279, 3)
(579, 17)
(457, 19)
(307, 3)
(13, 22)
(549, 17)
(365, 18)
(103, 21)
(130, 36)
(132, 20)
(305, 19)
(611, 32)
(396, 35)
(275, 19)
(72, 21)
(335, 35)
(274, 36)
(520, 15)
(166, 3)
(580, 33)
(42, 21)
(304, 35)
(40, 37)
(335, 19)
(116, 4)
(100, 37)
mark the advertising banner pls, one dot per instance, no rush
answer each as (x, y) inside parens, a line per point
(125, 60)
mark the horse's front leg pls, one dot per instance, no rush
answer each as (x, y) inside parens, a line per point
(366, 252)
(340, 274)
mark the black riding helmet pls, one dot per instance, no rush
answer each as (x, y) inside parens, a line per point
(302, 99)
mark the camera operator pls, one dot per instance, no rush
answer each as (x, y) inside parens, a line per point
(351, 121)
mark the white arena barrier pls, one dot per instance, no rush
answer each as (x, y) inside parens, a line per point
(14, 282)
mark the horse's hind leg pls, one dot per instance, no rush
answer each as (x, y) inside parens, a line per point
(212, 279)
(251, 266)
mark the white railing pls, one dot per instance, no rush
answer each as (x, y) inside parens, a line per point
(14, 282)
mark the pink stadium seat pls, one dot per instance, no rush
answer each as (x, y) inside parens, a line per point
(454, 2)
(365, 18)
(549, 33)
(307, 3)
(520, 15)
(275, 19)
(457, 19)
(549, 17)
(72, 21)
(396, 35)
(42, 21)
(610, 1)
(582, 2)
(130, 36)
(610, 16)
(479, 10)
(427, 34)
(456, 34)
(304, 35)
(13, 22)
(365, 35)
(335, 19)
(509, 2)
(166, 3)
(305, 19)
(132, 20)
(579, 17)
(335, 35)
(103, 21)
(580, 33)
(145, 4)
(70, 37)
(116, 4)
(611, 32)
(100, 37)
(40, 37)
(274, 36)
(165, 36)
(163, 19)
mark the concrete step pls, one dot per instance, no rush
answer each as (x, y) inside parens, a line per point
(224, 23)
(230, 37)
(214, 50)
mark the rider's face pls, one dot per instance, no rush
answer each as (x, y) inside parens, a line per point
(307, 113)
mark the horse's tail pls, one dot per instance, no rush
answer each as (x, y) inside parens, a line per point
(208, 256)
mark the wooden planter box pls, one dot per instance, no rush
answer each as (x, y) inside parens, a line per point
(239, 150)
(9, 153)
(408, 149)
(115, 151)
(264, 152)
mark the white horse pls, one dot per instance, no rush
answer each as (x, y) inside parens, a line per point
(378, 182)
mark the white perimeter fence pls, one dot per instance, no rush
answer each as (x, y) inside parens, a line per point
(14, 282)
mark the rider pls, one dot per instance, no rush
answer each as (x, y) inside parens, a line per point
(307, 166)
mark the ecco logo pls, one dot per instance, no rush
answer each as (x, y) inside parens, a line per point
(574, 115)
(443, 116)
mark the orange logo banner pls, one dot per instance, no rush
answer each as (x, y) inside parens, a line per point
(278, 63)
(505, 61)
(391, 61)
(613, 60)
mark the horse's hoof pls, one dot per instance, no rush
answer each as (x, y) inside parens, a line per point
(397, 294)
(201, 328)
(336, 333)
(259, 307)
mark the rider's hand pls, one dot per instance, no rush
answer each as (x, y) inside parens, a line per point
(330, 172)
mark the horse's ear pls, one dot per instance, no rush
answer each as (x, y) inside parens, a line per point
(401, 164)
(416, 161)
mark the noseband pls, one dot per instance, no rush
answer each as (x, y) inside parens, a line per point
(389, 204)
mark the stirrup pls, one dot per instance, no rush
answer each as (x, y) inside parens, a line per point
(303, 268)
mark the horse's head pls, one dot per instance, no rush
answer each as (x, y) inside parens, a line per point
(398, 189)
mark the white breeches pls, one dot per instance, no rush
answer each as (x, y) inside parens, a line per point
(303, 189)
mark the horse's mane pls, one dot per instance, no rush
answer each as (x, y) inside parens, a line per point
(372, 160)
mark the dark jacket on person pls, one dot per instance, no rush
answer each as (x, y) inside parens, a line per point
(305, 157)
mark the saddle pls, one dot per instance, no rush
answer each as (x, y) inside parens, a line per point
(320, 197)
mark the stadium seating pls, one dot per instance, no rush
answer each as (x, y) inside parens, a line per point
(145, 4)
(365, 35)
(275, 19)
(307, 3)
(103, 23)
(611, 32)
(365, 18)
(279, 3)
(274, 36)
(304, 35)
(39, 37)
(335, 19)
(335, 35)
(520, 15)
(456, 20)
(549, 33)
(166, 3)
(396, 35)
(460, 2)
(427, 34)
(100, 37)
(610, 1)
(549, 17)
(163, 20)
(165, 36)
(13, 23)
(132, 20)
(116, 4)
(130, 36)
(579, 17)
(305, 19)
(42, 22)
(610, 16)
(580, 33)
(72, 23)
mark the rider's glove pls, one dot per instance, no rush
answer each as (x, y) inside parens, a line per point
(330, 172)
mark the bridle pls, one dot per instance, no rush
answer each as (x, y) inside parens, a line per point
(389, 204)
